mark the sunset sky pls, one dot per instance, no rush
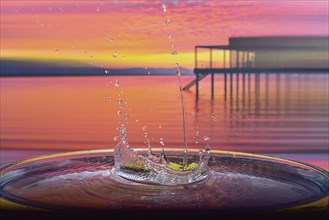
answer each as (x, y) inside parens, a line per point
(88, 33)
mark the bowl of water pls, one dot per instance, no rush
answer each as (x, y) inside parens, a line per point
(87, 180)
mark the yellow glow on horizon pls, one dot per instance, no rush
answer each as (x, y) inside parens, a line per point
(71, 57)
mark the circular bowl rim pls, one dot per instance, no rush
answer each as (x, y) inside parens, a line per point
(8, 167)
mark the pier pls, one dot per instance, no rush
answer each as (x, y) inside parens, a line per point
(256, 55)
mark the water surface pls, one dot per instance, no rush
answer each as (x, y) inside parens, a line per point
(285, 115)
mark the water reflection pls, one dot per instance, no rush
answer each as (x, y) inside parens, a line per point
(272, 111)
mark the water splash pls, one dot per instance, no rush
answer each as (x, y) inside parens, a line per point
(156, 168)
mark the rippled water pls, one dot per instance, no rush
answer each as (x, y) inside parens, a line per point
(237, 182)
(267, 113)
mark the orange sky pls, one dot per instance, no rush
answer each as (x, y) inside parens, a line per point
(81, 32)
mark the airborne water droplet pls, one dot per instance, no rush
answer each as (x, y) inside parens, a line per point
(115, 138)
(160, 126)
(106, 71)
(56, 50)
(213, 118)
(168, 21)
(206, 138)
(110, 98)
(173, 46)
(117, 83)
(170, 36)
(115, 54)
(162, 142)
(174, 53)
(110, 38)
(164, 8)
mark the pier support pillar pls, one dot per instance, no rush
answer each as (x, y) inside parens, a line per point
(197, 86)
(225, 85)
(212, 85)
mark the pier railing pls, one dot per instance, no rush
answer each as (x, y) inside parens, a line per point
(240, 59)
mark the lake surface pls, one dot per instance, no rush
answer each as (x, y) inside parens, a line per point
(283, 115)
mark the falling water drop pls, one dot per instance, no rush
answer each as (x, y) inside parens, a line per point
(117, 83)
(110, 38)
(106, 71)
(168, 21)
(160, 126)
(173, 46)
(170, 36)
(174, 53)
(213, 118)
(164, 8)
(56, 50)
(206, 138)
(196, 136)
(116, 138)
(162, 141)
(115, 54)
(110, 98)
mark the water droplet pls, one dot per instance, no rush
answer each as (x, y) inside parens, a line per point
(213, 118)
(148, 73)
(144, 128)
(110, 98)
(119, 112)
(164, 8)
(122, 130)
(167, 21)
(170, 36)
(110, 38)
(137, 120)
(174, 53)
(160, 126)
(125, 116)
(56, 50)
(106, 71)
(117, 83)
(173, 46)
(193, 114)
(115, 54)
(206, 138)
(196, 140)
(162, 142)
(116, 138)
(177, 65)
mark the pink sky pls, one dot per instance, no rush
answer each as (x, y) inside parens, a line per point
(77, 32)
